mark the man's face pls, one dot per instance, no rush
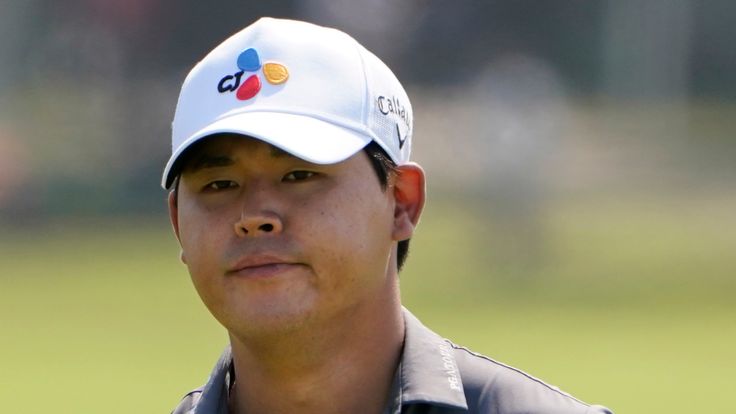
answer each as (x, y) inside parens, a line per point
(273, 242)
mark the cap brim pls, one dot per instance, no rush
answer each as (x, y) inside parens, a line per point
(305, 137)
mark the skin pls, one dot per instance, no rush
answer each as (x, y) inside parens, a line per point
(298, 262)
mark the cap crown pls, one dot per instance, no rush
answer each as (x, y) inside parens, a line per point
(277, 71)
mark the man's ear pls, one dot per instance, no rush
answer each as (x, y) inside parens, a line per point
(174, 217)
(174, 214)
(409, 193)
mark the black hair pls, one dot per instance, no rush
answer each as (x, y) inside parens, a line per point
(382, 164)
(384, 167)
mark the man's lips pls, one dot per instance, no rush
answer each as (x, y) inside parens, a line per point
(261, 266)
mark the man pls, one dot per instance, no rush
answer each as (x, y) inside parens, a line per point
(293, 199)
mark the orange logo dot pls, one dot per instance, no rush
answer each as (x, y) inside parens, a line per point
(275, 73)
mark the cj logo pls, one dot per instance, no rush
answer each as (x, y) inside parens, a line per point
(249, 61)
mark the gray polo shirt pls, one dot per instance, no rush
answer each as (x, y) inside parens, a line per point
(434, 376)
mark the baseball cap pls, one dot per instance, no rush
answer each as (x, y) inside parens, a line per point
(311, 91)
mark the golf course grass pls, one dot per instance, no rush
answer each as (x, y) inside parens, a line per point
(625, 305)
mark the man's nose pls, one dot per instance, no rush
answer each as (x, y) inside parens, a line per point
(258, 216)
(256, 223)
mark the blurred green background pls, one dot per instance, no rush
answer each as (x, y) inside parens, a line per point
(581, 219)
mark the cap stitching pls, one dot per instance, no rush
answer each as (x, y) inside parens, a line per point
(366, 89)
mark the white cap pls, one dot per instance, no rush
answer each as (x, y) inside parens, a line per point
(311, 91)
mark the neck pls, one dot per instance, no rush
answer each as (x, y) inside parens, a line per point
(345, 365)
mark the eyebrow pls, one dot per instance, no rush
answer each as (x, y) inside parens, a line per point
(205, 161)
(210, 161)
(279, 153)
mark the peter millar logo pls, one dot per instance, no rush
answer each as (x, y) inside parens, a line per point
(249, 61)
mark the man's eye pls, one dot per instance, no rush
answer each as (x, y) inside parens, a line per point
(220, 185)
(298, 175)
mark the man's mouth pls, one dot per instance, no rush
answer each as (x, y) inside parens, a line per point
(261, 266)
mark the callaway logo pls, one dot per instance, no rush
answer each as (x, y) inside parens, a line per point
(249, 61)
(392, 106)
(398, 134)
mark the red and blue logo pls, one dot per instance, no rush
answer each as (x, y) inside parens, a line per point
(249, 61)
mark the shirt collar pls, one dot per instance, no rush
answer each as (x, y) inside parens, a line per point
(427, 373)
(428, 370)
(215, 393)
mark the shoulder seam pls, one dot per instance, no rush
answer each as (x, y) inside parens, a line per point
(194, 391)
(517, 370)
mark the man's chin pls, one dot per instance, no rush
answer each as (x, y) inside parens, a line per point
(269, 321)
